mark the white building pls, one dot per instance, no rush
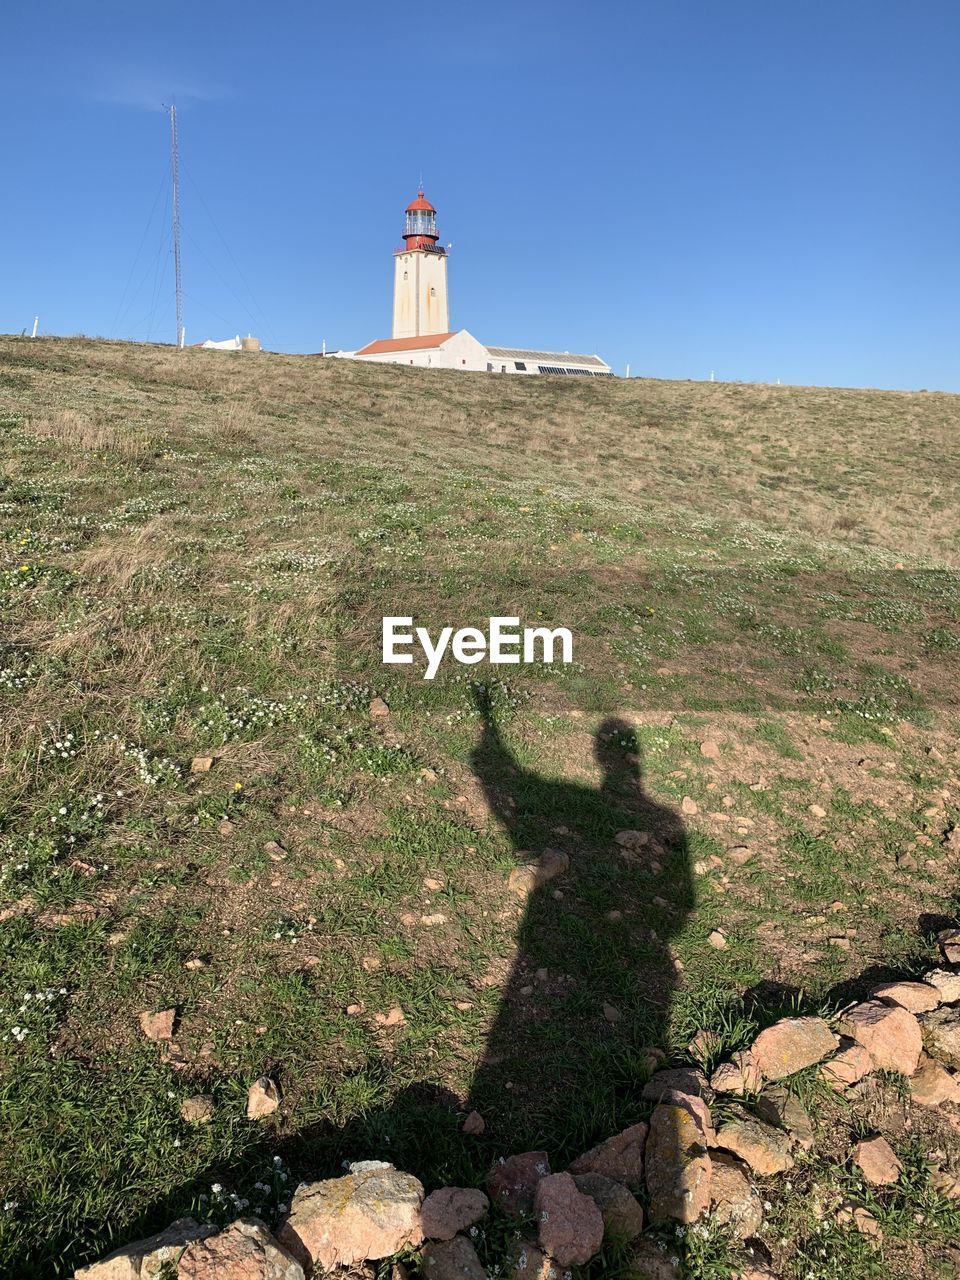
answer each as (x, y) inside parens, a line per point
(421, 317)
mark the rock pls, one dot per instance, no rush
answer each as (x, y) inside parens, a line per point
(263, 1098)
(740, 1076)
(717, 940)
(225, 827)
(856, 1215)
(877, 1160)
(765, 1149)
(949, 940)
(512, 1183)
(947, 982)
(525, 879)
(394, 1017)
(201, 764)
(451, 1209)
(709, 749)
(621, 1212)
(735, 1200)
(941, 1031)
(697, 1107)
(681, 1079)
(816, 811)
(739, 854)
(689, 806)
(198, 1109)
(378, 709)
(373, 1212)
(918, 997)
(677, 1165)
(158, 1026)
(474, 1124)
(650, 1259)
(527, 1261)
(147, 1257)
(790, 1045)
(245, 1250)
(945, 1182)
(569, 1223)
(619, 1158)
(889, 1033)
(785, 1110)
(931, 1085)
(454, 1259)
(848, 1066)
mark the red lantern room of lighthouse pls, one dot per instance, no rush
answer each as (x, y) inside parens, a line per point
(420, 306)
(420, 226)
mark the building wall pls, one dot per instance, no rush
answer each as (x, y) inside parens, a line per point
(420, 304)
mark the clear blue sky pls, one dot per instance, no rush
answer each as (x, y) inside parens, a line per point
(764, 188)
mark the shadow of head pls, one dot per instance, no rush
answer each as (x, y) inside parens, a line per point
(617, 752)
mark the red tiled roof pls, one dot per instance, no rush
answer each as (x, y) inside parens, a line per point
(424, 343)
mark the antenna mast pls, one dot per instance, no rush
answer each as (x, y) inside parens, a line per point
(175, 172)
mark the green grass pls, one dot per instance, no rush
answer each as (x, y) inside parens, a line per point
(196, 555)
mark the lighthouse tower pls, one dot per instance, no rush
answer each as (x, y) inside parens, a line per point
(420, 276)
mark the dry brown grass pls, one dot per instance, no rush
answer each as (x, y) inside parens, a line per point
(851, 465)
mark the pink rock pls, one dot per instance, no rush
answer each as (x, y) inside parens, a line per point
(790, 1045)
(851, 1064)
(622, 1212)
(569, 1223)
(371, 1213)
(512, 1183)
(451, 1209)
(245, 1250)
(147, 1256)
(619, 1158)
(889, 1033)
(765, 1149)
(932, 1084)
(735, 1200)
(677, 1165)
(877, 1160)
(918, 997)
(454, 1259)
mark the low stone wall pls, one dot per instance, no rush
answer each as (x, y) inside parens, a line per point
(689, 1164)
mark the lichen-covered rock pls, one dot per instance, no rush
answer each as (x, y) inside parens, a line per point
(569, 1223)
(941, 1032)
(619, 1158)
(621, 1211)
(735, 1200)
(677, 1165)
(144, 1259)
(371, 1213)
(245, 1250)
(790, 1045)
(947, 983)
(785, 1110)
(889, 1033)
(682, 1079)
(512, 1183)
(765, 1149)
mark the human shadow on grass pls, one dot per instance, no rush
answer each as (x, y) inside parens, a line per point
(589, 991)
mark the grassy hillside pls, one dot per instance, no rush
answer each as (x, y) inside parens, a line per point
(198, 549)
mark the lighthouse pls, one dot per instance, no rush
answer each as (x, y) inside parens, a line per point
(420, 305)
(421, 317)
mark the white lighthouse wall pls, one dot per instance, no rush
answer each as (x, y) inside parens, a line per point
(420, 304)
